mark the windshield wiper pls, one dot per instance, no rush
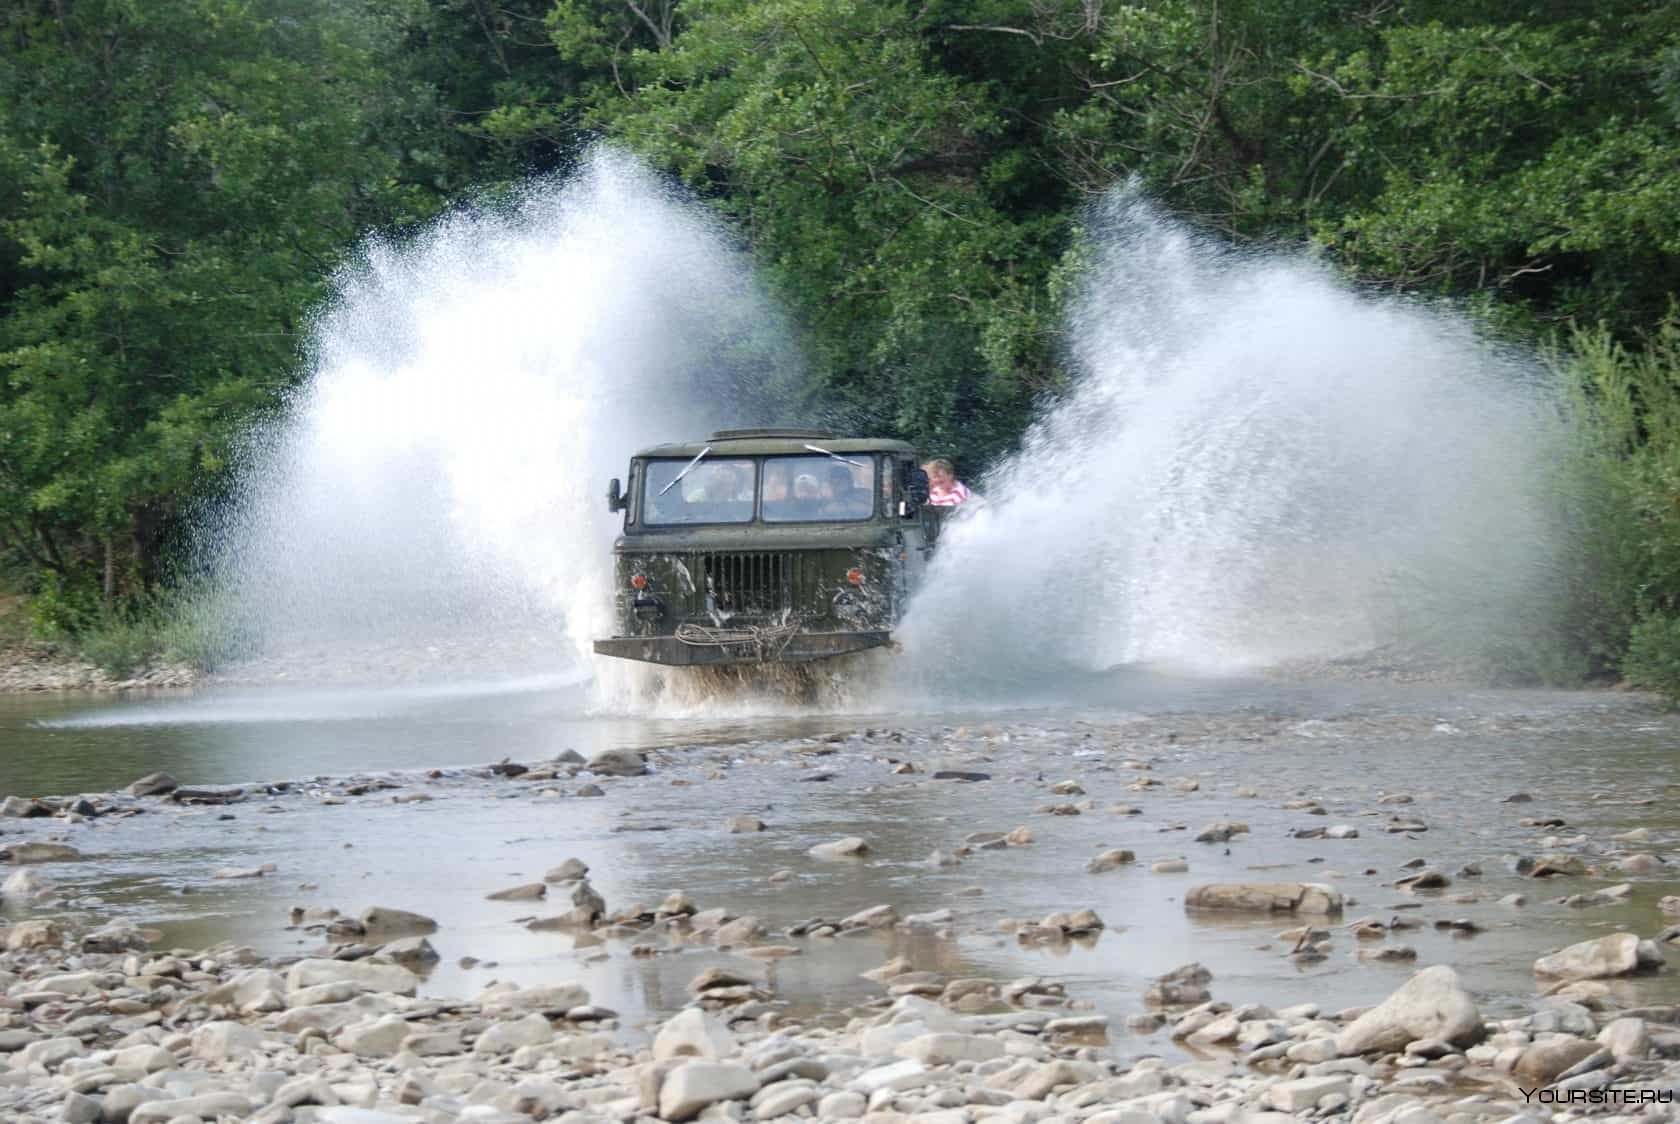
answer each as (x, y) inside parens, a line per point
(677, 479)
(837, 456)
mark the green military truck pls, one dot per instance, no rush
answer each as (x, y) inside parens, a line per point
(767, 546)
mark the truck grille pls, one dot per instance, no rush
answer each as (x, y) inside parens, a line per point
(752, 583)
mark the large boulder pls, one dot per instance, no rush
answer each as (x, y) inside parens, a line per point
(1617, 954)
(383, 923)
(21, 853)
(363, 975)
(691, 1033)
(1265, 897)
(695, 1085)
(1431, 1004)
(618, 763)
(153, 784)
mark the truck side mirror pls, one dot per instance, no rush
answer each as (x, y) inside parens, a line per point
(915, 485)
(616, 499)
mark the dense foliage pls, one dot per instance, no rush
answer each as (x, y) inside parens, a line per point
(178, 179)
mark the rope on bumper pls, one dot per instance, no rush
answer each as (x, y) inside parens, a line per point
(767, 640)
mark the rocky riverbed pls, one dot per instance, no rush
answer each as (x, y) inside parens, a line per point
(834, 952)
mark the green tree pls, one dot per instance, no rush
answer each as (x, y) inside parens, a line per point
(182, 178)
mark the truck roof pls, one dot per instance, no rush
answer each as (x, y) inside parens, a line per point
(769, 441)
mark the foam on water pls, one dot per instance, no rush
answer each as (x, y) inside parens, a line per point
(1256, 463)
(433, 500)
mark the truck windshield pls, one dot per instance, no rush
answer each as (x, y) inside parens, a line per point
(713, 491)
(819, 489)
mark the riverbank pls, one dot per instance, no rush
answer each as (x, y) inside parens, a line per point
(102, 1027)
(28, 668)
(896, 922)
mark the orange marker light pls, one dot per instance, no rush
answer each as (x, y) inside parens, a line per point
(639, 581)
(855, 576)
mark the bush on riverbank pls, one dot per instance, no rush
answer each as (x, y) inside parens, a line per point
(1624, 609)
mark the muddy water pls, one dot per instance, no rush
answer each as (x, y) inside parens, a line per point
(1603, 763)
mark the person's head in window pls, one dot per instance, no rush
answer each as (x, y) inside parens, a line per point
(839, 485)
(775, 482)
(805, 487)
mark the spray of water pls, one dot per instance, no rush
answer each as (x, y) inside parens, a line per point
(434, 495)
(1255, 464)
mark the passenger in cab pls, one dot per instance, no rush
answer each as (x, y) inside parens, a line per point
(775, 483)
(944, 489)
(842, 498)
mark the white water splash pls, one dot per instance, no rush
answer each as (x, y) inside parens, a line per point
(1256, 464)
(434, 500)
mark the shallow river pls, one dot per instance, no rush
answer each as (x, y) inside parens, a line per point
(1602, 762)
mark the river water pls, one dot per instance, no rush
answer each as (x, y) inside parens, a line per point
(1602, 762)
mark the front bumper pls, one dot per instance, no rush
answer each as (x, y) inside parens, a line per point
(802, 647)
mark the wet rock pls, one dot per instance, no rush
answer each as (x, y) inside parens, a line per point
(1184, 986)
(714, 978)
(550, 999)
(34, 934)
(1169, 866)
(1110, 860)
(22, 886)
(960, 775)
(572, 870)
(23, 808)
(585, 900)
(743, 825)
(875, 917)
(691, 1087)
(153, 784)
(691, 1033)
(1389, 954)
(1265, 897)
(1424, 880)
(618, 763)
(1617, 954)
(676, 904)
(230, 872)
(940, 860)
(528, 892)
(848, 848)
(1543, 1062)
(589, 790)
(1554, 866)
(741, 931)
(1627, 1039)
(382, 922)
(21, 853)
(414, 953)
(1020, 837)
(1431, 1004)
(1220, 832)
(1067, 788)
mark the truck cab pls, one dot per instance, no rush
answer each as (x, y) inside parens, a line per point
(767, 546)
